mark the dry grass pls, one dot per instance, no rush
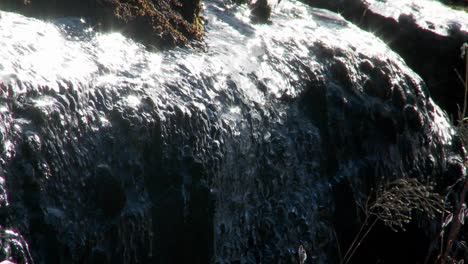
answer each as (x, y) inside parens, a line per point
(456, 218)
(394, 205)
(462, 126)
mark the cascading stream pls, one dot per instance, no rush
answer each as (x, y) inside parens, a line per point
(230, 152)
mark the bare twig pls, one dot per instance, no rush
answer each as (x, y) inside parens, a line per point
(394, 206)
(456, 225)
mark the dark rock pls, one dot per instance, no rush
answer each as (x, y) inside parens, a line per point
(160, 23)
(427, 34)
(110, 195)
(261, 11)
(13, 247)
(99, 256)
(413, 118)
(462, 3)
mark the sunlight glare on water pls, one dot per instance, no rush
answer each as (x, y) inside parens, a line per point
(41, 53)
(44, 102)
(255, 62)
(116, 52)
(133, 101)
(441, 18)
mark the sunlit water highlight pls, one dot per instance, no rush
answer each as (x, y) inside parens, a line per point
(430, 15)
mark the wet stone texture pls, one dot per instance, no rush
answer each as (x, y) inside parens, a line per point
(237, 153)
(427, 34)
(14, 247)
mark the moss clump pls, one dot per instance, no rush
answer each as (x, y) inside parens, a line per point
(162, 23)
(159, 22)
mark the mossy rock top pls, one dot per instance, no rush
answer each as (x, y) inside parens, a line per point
(160, 23)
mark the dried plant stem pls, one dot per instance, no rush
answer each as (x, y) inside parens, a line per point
(462, 127)
(456, 219)
(351, 247)
(466, 77)
(355, 246)
(456, 225)
(394, 205)
(466, 86)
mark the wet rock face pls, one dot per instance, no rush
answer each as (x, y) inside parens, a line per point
(156, 23)
(110, 195)
(13, 247)
(455, 2)
(427, 34)
(241, 153)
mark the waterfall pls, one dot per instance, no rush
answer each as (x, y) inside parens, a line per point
(227, 151)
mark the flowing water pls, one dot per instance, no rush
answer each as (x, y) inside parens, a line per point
(257, 126)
